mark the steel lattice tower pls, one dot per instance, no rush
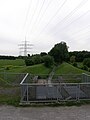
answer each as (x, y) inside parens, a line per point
(25, 47)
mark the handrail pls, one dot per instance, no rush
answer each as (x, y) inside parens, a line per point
(24, 79)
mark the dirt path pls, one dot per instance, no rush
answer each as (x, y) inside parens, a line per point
(45, 113)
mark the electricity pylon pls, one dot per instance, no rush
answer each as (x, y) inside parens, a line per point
(25, 47)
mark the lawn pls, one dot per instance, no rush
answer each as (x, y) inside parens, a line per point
(68, 73)
(67, 68)
(37, 69)
(11, 94)
(17, 62)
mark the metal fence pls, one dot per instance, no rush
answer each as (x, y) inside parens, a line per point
(85, 78)
(11, 78)
(59, 91)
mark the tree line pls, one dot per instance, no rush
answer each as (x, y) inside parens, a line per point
(55, 56)
(7, 57)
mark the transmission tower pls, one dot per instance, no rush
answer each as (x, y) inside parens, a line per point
(25, 47)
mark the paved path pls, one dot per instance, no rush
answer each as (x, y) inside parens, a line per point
(51, 76)
(45, 113)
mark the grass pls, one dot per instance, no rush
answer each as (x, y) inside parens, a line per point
(68, 73)
(37, 69)
(16, 73)
(9, 100)
(67, 68)
(17, 62)
(18, 66)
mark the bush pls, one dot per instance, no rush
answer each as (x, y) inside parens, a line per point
(36, 59)
(75, 64)
(85, 68)
(86, 62)
(88, 69)
(48, 61)
(29, 62)
(72, 59)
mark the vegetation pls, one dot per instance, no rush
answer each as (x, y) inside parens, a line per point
(86, 62)
(59, 52)
(66, 68)
(16, 62)
(7, 57)
(37, 69)
(80, 55)
(33, 60)
(72, 59)
(48, 61)
(39, 64)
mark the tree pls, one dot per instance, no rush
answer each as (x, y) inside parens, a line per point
(29, 62)
(43, 54)
(80, 55)
(72, 59)
(86, 62)
(48, 61)
(37, 59)
(59, 52)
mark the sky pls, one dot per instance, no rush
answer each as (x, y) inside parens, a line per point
(43, 23)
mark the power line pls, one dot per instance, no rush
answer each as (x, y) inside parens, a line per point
(44, 12)
(75, 20)
(81, 34)
(33, 15)
(72, 12)
(82, 29)
(38, 14)
(53, 16)
(29, 7)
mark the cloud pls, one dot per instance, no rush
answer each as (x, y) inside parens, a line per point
(44, 25)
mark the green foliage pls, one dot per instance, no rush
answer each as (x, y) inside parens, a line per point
(59, 52)
(43, 53)
(37, 69)
(66, 68)
(29, 62)
(85, 67)
(17, 62)
(75, 64)
(86, 62)
(48, 61)
(35, 59)
(80, 55)
(72, 59)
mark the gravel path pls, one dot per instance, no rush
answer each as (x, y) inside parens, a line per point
(45, 113)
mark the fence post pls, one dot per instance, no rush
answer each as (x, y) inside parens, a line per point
(27, 93)
(78, 91)
(57, 92)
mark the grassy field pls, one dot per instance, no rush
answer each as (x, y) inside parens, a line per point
(67, 68)
(37, 69)
(17, 62)
(16, 73)
(68, 74)
(10, 94)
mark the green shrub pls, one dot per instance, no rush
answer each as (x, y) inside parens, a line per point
(86, 62)
(48, 61)
(29, 62)
(75, 64)
(85, 68)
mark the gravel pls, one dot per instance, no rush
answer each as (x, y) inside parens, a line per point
(45, 113)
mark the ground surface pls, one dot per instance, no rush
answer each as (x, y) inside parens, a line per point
(45, 113)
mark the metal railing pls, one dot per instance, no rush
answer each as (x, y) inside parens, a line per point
(59, 91)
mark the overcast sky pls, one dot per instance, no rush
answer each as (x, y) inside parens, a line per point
(44, 23)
